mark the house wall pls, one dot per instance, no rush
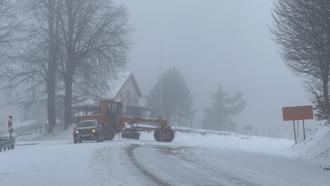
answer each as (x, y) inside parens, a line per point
(128, 95)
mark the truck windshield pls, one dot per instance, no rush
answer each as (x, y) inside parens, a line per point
(86, 124)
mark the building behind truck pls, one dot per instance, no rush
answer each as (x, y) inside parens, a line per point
(123, 88)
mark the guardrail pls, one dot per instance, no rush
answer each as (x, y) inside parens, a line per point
(7, 143)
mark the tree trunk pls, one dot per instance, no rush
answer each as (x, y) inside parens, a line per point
(326, 97)
(51, 75)
(69, 68)
(51, 111)
(68, 101)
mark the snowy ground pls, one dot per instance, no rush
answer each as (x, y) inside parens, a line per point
(193, 158)
(316, 149)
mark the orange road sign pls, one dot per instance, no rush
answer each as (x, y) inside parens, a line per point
(297, 113)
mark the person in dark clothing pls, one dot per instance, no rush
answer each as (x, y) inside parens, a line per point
(10, 125)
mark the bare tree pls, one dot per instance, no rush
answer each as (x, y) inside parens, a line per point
(94, 33)
(53, 48)
(66, 43)
(25, 76)
(303, 32)
(7, 27)
(32, 72)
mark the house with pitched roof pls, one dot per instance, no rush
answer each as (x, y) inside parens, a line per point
(123, 88)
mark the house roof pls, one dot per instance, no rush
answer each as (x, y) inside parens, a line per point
(118, 83)
(115, 86)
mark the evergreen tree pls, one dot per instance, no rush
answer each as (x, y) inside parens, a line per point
(218, 117)
(172, 98)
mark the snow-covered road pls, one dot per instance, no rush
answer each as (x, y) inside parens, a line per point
(145, 162)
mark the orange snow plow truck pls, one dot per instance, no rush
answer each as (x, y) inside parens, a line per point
(113, 121)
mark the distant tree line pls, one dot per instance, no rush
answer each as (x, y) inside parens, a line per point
(172, 98)
(302, 30)
(61, 48)
(224, 107)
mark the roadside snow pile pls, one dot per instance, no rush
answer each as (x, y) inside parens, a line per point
(316, 149)
(58, 134)
(229, 140)
(203, 132)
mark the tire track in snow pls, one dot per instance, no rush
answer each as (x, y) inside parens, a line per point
(174, 170)
(233, 180)
(145, 171)
(112, 165)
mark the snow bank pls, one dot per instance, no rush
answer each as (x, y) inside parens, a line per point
(229, 140)
(58, 134)
(316, 149)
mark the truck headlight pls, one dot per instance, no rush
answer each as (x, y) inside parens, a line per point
(93, 130)
(77, 131)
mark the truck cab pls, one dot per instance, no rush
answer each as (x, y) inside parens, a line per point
(108, 115)
(88, 130)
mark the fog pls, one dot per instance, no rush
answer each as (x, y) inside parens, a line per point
(67, 118)
(211, 42)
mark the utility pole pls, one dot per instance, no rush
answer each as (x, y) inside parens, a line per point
(160, 80)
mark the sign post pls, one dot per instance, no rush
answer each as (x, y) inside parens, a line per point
(294, 131)
(295, 114)
(304, 130)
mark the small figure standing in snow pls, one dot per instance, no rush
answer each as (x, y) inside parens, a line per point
(10, 125)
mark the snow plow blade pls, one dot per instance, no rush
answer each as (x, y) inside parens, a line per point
(130, 135)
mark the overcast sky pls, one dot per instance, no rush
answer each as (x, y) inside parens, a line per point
(211, 42)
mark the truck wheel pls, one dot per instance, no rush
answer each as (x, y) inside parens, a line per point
(170, 135)
(111, 134)
(75, 139)
(156, 134)
(166, 135)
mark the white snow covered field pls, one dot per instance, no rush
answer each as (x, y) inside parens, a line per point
(195, 157)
